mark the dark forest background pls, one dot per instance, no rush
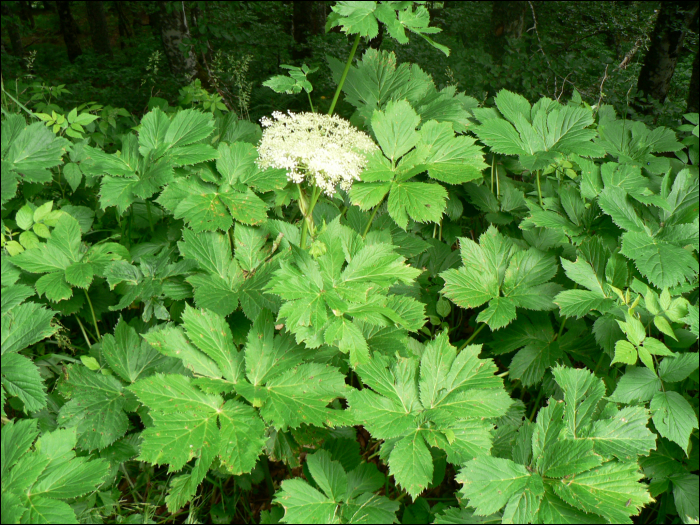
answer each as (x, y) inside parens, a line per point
(641, 57)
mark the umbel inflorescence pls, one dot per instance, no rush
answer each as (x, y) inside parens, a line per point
(323, 149)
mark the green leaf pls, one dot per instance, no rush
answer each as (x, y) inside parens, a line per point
(420, 201)
(638, 384)
(450, 159)
(679, 367)
(685, 495)
(127, 355)
(212, 335)
(20, 377)
(411, 464)
(489, 483)
(25, 325)
(80, 274)
(568, 458)
(579, 303)
(188, 126)
(625, 435)
(395, 129)
(328, 475)
(46, 475)
(582, 393)
(54, 287)
(499, 313)
(448, 390)
(625, 352)
(96, 409)
(611, 491)
(664, 264)
(242, 437)
(305, 504)
(673, 417)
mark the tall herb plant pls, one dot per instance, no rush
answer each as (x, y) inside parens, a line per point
(504, 296)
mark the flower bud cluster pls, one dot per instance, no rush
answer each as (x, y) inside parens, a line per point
(323, 149)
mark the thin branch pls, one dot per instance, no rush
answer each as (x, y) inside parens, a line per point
(600, 98)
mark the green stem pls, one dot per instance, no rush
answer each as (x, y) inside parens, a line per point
(94, 318)
(345, 74)
(82, 329)
(476, 332)
(371, 219)
(537, 404)
(150, 217)
(308, 217)
(539, 188)
(31, 114)
(504, 374)
(268, 478)
(310, 103)
(600, 362)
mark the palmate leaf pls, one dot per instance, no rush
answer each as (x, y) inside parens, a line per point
(536, 134)
(445, 157)
(23, 324)
(215, 202)
(583, 466)
(288, 390)
(145, 164)
(496, 266)
(191, 420)
(340, 494)
(96, 409)
(28, 152)
(458, 393)
(129, 356)
(65, 261)
(36, 483)
(20, 377)
(362, 17)
(223, 282)
(327, 296)
(377, 80)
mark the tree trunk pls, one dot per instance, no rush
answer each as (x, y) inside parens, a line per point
(25, 13)
(68, 25)
(306, 20)
(173, 31)
(12, 26)
(99, 31)
(666, 43)
(124, 22)
(693, 98)
(507, 21)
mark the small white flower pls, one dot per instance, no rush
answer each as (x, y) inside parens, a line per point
(325, 150)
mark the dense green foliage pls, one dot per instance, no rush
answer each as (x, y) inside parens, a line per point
(496, 322)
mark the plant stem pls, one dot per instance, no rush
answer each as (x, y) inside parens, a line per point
(82, 329)
(537, 403)
(345, 74)
(476, 332)
(92, 310)
(268, 478)
(150, 217)
(308, 216)
(371, 218)
(539, 188)
(310, 103)
(600, 362)
(504, 374)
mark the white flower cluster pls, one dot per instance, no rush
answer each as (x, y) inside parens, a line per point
(327, 149)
